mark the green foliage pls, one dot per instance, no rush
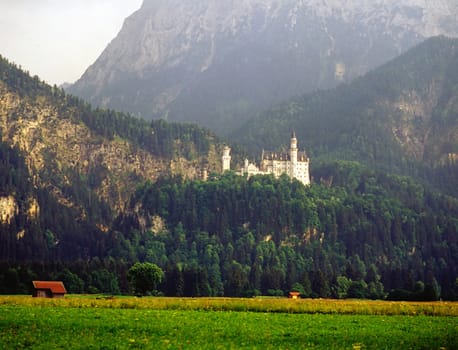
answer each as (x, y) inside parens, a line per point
(357, 290)
(377, 119)
(421, 292)
(249, 235)
(72, 283)
(77, 232)
(354, 232)
(297, 287)
(343, 285)
(105, 281)
(144, 277)
(233, 236)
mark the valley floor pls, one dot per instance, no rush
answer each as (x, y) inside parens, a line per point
(219, 323)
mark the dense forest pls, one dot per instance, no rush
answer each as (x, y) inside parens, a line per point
(366, 235)
(357, 231)
(61, 186)
(69, 219)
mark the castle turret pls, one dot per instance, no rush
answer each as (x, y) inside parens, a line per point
(226, 159)
(246, 166)
(293, 140)
(293, 155)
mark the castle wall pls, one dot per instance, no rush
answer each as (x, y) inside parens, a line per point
(295, 164)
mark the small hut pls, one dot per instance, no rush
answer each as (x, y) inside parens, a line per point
(48, 289)
(294, 295)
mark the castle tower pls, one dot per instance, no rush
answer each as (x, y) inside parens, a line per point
(293, 155)
(226, 159)
(246, 167)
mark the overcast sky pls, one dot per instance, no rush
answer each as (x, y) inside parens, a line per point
(58, 39)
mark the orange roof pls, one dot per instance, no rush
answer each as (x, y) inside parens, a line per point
(55, 287)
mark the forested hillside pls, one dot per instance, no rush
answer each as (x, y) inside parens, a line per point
(364, 236)
(67, 169)
(85, 194)
(401, 117)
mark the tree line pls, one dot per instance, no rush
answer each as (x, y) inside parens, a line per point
(357, 233)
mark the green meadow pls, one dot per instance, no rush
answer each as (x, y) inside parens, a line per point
(160, 323)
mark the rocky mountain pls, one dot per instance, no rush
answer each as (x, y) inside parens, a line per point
(58, 155)
(400, 117)
(218, 62)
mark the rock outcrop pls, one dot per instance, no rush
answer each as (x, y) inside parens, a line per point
(61, 151)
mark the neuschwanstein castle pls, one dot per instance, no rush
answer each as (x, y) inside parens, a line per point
(293, 163)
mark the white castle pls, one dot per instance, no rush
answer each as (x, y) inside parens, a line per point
(293, 163)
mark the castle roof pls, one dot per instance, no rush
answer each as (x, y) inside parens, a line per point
(283, 156)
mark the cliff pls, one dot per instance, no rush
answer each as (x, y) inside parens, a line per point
(219, 62)
(67, 144)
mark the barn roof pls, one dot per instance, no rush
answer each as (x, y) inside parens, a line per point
(54, 286)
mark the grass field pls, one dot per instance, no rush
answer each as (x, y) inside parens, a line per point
(170, 323)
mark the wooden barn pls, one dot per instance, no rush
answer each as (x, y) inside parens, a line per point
(48, 289)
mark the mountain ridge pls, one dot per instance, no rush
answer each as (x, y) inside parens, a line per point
(404, 112)
(219, 62)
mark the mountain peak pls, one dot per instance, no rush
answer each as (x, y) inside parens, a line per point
(218, 62)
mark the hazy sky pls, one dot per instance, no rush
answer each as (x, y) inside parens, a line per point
(58, 39)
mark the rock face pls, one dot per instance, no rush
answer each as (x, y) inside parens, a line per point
(218, 62)
(60, 150)
(8, 209)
